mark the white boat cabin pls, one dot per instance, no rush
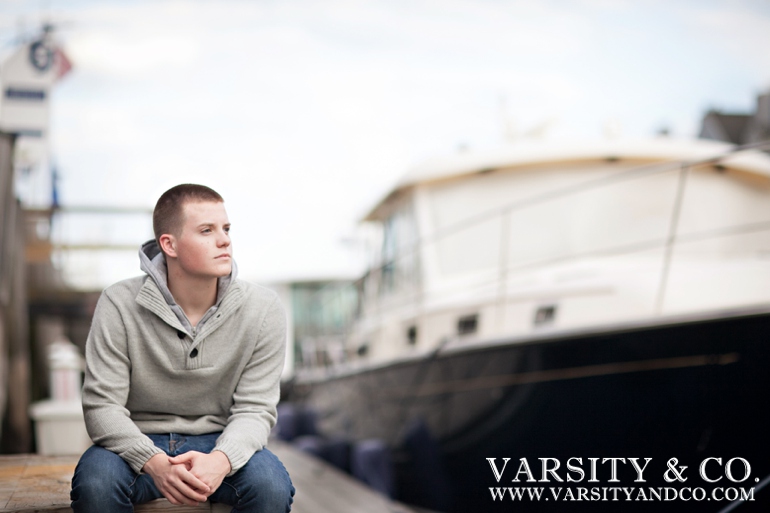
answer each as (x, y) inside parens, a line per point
(505, 246)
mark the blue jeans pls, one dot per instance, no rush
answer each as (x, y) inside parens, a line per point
(104, 483)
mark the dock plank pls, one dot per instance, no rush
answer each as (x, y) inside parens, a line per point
(36, 483)
(323, 488)
(32, 483)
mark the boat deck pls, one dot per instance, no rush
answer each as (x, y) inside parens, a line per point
(31, 483)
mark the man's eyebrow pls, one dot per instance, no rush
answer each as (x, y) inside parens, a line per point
(210, 223)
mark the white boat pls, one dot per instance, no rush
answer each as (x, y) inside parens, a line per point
(619, 290)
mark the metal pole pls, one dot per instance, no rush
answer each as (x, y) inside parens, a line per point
(671, 239)
(505, 227)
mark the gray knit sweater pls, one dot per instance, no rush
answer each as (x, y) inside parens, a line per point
(148, 373)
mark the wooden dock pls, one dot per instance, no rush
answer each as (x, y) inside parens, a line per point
(30, 484)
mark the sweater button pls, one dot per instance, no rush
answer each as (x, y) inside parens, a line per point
(180, 334)
(194, 353)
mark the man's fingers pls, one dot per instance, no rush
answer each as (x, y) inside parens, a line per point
(181, 458)
(191, 481)
(182, 486)
(194, 495)
(189, 485)
(187, 459)
(196, 485)
(182, 497)
(176, 482)
(172, 497)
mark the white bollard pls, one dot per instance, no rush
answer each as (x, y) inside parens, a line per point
(59, 425)
(66, 365)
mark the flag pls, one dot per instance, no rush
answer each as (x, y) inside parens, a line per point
(62, 63)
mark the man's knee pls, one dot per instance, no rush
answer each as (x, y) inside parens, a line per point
(100, 475)
(266, 483)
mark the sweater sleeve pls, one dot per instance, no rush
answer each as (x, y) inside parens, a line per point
(253, 413)
(106, 387)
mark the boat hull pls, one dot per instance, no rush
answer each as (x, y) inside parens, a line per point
(688, 391)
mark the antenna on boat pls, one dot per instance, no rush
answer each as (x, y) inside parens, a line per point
(511, 134)
(612, 129)
(508, 123)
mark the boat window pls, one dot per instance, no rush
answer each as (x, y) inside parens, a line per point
(468, 324)
(411, 335)
(545, 315)
(322, 312)
(399, 255)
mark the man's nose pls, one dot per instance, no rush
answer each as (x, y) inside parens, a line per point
(224, 239)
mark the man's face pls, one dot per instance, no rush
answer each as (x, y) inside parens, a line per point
(203, 247)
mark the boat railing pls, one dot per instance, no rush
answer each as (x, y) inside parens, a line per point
(390, 286)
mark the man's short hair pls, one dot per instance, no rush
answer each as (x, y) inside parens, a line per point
(168, 216)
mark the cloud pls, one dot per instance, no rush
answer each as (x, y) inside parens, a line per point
(303, 113)
(114, 54)
(737, 30)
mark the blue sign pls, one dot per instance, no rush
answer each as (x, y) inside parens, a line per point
(25, 94)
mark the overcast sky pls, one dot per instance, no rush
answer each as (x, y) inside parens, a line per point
(303, 113)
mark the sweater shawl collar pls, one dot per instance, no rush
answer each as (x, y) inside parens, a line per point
(156, 296)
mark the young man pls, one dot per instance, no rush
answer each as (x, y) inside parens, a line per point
(182, 377)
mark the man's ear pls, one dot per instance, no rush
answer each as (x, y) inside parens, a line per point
(168, 245)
